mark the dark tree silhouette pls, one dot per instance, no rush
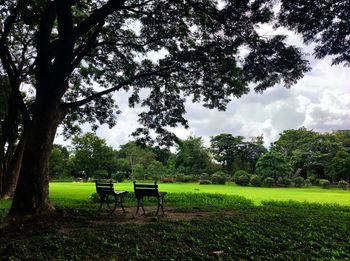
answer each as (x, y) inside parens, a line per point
(325, 22)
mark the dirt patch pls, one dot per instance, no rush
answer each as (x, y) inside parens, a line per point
(171, 214)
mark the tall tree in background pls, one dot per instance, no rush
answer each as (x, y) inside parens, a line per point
(339, 166)
(225, 149)
(233, 152)
(62, 47)
(250, 152)
(92, 154)
(192, 157)
(59, 165)
(307, 150)
(136, 154)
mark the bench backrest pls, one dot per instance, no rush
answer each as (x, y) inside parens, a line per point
(146, 189)
(104, 187)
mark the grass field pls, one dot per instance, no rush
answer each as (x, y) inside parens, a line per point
(82, 191)
(185, 194)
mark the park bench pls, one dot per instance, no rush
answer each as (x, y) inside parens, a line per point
(148, 190)
(105, 189)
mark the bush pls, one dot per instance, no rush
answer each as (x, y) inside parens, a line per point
(342, 184)
(243, 180)
(307, 183)
(239, 173)
(218, 177)
(168, 180)
(204, 176)
(204, 182)
(255, 180)
(298, 182)
(183, 178)
(119, 177)
(101, 174)
(268, 182)
(324, 183)
(279, 182)
(286, 182)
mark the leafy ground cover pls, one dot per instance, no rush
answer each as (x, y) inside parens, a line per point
(271, 231)
(199, 225)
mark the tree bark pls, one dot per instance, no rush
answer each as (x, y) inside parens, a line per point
(10, 178)
(32, 191)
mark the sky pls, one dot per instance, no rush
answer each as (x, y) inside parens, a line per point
(319, 101)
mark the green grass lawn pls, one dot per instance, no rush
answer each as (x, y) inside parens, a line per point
(82, 191)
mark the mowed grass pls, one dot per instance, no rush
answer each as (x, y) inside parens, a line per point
(62, 191)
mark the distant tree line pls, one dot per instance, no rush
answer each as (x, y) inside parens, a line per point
(299, 157)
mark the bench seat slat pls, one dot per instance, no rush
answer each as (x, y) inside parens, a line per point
(145, 186)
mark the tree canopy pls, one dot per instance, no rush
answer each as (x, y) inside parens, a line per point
(324, 22)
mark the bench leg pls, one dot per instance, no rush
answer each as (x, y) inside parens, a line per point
(118, 201)
(121, 203)
(140, 201)
(138, 205)
(158, 200)
(115, 203)
(103, 199)
(107, 197)
(160, 205)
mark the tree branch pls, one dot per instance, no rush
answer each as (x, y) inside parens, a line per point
(97, 17)
(115, 88)
(83, 50)
(5, 54)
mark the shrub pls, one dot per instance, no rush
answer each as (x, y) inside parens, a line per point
(204, 182)
(239, 173)
(255, 180)
(168, 180)
(342, 184)
(183, 178)
(101, 174)
(298, 182)
(324, 183)
(204, 176)
(286, 182)
(317, 182)
(218, 177)
(243, 180)
(279, 182)
(307, 183)
(119, 177)
(268, 182)
(312, 177)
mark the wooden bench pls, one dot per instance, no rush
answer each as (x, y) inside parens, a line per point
(105, 189)
(148, 190)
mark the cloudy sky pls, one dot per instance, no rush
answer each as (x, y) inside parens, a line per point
(320, 101)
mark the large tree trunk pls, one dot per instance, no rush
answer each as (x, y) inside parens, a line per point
(10, 178)
(32, 191)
